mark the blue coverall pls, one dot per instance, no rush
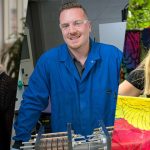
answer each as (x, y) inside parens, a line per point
(81, 101)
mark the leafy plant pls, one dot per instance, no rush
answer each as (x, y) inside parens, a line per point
(138, 14)
(11, 58)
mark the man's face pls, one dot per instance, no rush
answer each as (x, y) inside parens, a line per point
(75, 28)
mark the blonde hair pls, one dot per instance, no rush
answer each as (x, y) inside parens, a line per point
(145, 65)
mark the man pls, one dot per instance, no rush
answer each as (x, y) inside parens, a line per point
(80, 77)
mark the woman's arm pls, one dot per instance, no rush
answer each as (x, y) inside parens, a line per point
(127, 89)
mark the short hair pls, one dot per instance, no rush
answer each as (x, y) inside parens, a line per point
(69, 5)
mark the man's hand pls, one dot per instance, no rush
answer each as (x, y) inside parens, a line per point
(16, 145)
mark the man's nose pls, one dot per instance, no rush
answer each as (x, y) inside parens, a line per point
(72, 28)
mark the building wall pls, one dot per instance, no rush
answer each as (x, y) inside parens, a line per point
(103, 11)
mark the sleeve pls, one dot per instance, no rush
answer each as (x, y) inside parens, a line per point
(120, 56)
(136, 78)
(35, 100)
(119, 60)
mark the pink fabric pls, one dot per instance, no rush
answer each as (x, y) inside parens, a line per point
(127, 137)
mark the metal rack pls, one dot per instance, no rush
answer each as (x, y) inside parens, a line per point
(99, 140)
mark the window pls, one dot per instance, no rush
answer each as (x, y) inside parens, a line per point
(14, 12)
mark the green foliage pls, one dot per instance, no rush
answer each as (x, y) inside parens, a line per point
(12, 56)
(138, 14)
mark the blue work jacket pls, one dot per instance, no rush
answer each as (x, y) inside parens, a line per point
(82, 101)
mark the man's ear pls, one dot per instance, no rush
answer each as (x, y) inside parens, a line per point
(90, 26)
